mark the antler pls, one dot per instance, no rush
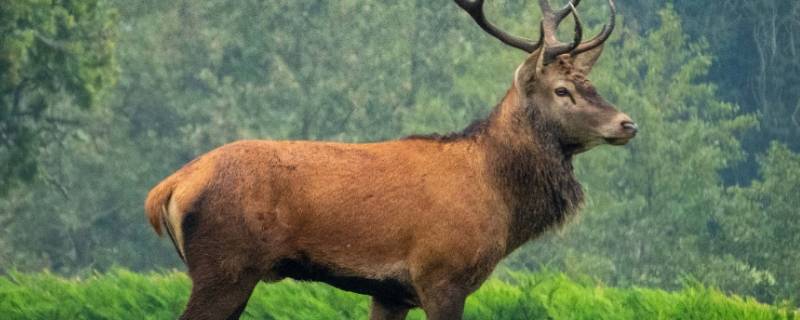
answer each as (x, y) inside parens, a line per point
(547, 33)
(603, 35)
(550, 22)
(475, 9)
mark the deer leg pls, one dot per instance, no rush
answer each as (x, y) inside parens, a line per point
(386, 310)
(445, 302)
(216, 297)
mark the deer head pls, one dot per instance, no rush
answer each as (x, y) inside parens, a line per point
(555, 95)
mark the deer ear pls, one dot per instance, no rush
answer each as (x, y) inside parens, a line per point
(540, 60)
(585, 60)
(532, 67)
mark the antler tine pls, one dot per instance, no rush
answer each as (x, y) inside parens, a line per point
(557, 48)
(545, 6)
(578, 27)
(475, 10)
(564, 12)
(554, 18)
(602, 36)
(549, 25)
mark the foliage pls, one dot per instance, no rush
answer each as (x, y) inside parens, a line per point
(755, 227)
(53, 55)
(122, 294)
(757, 54)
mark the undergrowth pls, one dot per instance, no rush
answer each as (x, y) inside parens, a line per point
(122, 294)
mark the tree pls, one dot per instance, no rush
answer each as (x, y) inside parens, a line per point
(757, 63)
(758, 227)
(53, 54)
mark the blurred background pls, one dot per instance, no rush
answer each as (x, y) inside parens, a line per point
(101, 99)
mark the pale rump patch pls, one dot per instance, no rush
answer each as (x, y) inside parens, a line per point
(173, 220)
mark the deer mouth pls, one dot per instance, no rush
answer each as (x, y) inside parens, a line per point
(619, 141)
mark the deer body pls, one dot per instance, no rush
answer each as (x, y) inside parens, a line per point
(416, 222)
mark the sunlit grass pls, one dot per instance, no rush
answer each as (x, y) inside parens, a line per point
(122, 294)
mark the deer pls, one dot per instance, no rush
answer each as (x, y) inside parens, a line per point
(416, 222)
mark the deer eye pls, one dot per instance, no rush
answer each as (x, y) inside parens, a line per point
(562, 92)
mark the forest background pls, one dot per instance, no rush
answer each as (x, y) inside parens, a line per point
(100, 99)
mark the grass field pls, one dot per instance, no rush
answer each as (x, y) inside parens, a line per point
(122, 294)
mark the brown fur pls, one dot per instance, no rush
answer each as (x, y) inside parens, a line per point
(417, 222)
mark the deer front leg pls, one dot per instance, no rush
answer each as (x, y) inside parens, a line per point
(444, 301)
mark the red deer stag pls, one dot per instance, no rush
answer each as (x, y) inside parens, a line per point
(415, 222)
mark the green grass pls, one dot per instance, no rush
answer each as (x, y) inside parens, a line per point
(122, 294)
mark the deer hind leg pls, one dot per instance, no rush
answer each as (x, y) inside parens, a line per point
(218, 297)
(387, 310)
(222, 279)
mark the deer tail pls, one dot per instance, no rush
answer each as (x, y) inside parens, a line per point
(157, 207)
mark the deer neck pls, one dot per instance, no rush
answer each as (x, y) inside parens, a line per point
(531, 169)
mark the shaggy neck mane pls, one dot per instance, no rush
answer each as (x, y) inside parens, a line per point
(532, 169)
(536, 179)
(530, 166)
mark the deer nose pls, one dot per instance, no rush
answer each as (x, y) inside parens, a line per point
(630, 127)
